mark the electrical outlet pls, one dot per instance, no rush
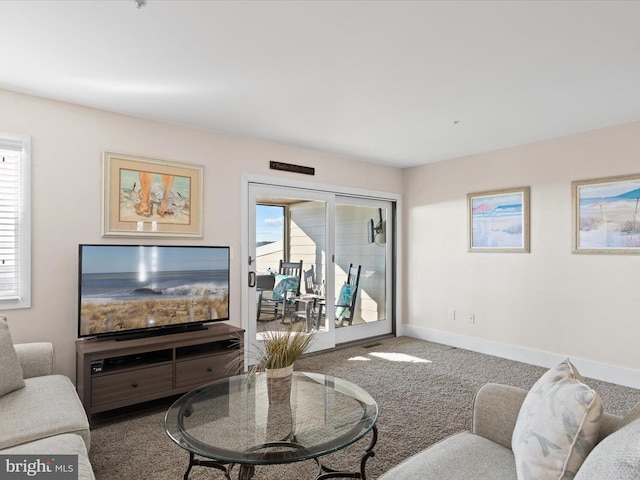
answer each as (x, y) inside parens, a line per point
(451, 314)
(472, 318)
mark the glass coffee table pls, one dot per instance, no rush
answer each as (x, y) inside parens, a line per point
(230, 422)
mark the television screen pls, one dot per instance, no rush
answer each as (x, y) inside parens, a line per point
(129, 288)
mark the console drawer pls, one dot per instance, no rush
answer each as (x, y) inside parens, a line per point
(116, 387)
(202, 370)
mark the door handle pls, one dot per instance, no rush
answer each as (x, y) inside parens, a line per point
(252, 279)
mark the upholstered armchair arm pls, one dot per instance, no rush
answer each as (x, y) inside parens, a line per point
(495, 411)
(36, 359)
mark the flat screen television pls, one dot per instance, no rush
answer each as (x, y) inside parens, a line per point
(138, 290)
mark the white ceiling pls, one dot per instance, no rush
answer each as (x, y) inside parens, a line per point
(393, 82)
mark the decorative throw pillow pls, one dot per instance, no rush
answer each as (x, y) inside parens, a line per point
(557, 426)
(344, 300)
(284, 283)
(10, 370)
(616, 457)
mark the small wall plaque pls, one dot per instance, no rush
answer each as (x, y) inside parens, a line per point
(288, 167)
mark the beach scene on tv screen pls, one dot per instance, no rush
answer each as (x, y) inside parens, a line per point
(126, 288)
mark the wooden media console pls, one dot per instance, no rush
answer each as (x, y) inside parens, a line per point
(116, 373)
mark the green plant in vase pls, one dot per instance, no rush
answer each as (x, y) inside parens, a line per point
(276, 354)
(281, 348)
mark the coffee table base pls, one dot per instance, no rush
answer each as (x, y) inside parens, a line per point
(245, 473)
(324, 473)
(368, 452)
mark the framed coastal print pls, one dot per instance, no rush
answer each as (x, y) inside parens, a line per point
(606, 215)
(499, 221)
(151, 197)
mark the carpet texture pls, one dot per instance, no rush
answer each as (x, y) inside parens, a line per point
(424, 393)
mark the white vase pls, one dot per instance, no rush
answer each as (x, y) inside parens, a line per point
(279, 384)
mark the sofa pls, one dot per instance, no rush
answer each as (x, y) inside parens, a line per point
(40, 412)
(486, 452)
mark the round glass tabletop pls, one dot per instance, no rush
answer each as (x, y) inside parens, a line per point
(231, 420)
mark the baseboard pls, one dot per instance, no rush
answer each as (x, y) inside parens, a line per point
(588, 368)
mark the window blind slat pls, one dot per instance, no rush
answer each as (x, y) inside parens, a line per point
(9, 218)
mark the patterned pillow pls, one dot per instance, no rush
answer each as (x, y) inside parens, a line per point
(10, 370)
(344, 300)
(557, 426)
(284, 283)
(616, 457)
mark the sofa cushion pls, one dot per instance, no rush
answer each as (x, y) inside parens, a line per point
(616, 457)
(462, 456)
(46, 406)
(11, 371)
(557, 426)
(65, 444)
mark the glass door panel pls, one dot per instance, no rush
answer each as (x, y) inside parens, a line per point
(288, 225)
(363, 242)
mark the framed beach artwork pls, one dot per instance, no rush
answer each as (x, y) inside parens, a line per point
(499, 220)
(151, 197)
(606, 215)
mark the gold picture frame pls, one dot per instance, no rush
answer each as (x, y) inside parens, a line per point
(499, 221)
(606, 215)
(148, 197)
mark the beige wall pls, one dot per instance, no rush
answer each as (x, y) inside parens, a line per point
(550, 300)
(67, 146)
(583, 306)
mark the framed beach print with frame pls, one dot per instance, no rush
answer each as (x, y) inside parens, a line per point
(151, 197)
(499, 220)
(606, 215)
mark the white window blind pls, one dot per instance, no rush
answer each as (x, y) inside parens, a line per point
(15, 262)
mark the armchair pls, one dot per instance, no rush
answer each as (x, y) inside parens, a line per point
(485, 453)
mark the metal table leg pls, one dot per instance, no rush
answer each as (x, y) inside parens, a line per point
(368, 452)
(194, 462)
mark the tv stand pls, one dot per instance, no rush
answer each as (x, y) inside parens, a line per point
(116, 373)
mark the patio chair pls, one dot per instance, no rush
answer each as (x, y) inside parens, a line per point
(265, 283)
(303, 306)
(345, 304)
(309, 280)
(286, 286)
(346, 300)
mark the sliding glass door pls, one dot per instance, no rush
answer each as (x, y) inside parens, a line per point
(332, 236)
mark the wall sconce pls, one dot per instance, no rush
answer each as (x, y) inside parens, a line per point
(376, 231)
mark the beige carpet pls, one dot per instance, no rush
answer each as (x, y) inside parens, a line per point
(424, 392)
